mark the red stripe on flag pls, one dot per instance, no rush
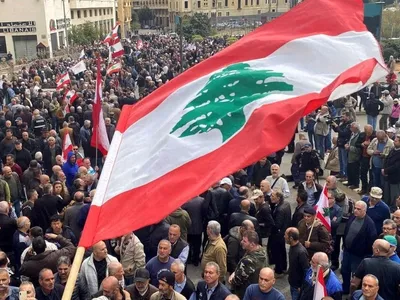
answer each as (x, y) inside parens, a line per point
(133, 208)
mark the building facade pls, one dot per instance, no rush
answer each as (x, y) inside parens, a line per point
(124, 16)
(159, 8)
(29, 25)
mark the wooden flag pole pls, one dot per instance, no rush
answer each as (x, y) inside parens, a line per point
(73, 275)
(312, 227)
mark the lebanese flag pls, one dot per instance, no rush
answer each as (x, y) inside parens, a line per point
(116, 49)
(114, 68)
(99, 137)
(322, 209)
(194, 130)
(70, 97)
(320, 288)
(62, 81)
(139, 44)
(112, 35)
(67, 147)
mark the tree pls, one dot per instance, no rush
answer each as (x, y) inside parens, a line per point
(145, 15)
(391, 23)
(198, 24)
(84, 34)
(391, 47)
(134, 16)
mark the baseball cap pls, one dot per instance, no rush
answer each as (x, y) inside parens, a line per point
(166, 276)
(141, 275)
(385, 92)
(376, 192)
(391, 129)
(391, 239)
(257, 194)
(18, 119)
(226, 180)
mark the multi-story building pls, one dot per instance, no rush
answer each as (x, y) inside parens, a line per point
(102, 13)
(159, 8)
(124, 16)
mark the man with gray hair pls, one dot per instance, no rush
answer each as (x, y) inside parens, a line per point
(369, 289)
(183, 284)
(163, 260)
(6, 291)
(8, 226)
(353, 162)
(27, 286)
(215, 249)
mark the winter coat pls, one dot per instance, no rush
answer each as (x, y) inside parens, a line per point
(354, 152)
(88, 273)
(180, 217)
(194, 209)
(373, 107)
(388, 105)
(391, 166)
(70, 169)
(332, 162)
(321, 126)
(344, 133)
(395, 111)
(132, 255)
(374, 146)
(320, 239)
(235, 250)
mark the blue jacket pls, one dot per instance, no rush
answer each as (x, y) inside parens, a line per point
(332, 283)
(70, 169)
(357, 295)
(362, 243)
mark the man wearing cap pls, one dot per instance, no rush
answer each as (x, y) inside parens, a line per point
(141, 289)
(166, 282)
(391, 175)
(387, 101)
(391, 133)
(263, 216)
(319, 240)
(377, 210)
(391, 239)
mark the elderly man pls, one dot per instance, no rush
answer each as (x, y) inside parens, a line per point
(379, 149)
(183, 284)
(210, 288)
(166, 282)
(344, 134)
(215, 250)
(332, 283)
(249, 266)
(312, 188)
(396, 219)
(263, 215)
(363, 141)
(391, 174)
(71, 214)
(95, 268)
(385, 270)
(6, 291)
(141, 289)
(163, 260)
(359, 235)
(112, 289)
(277, 182)
(353, 163)
(21, 239)
(180, 248)
(321, 130)
(115, 269)
(260, 171)
(237, 218)
(27, 288)
(48, 289)
(265, 287)
(377, 209)
(369, 289)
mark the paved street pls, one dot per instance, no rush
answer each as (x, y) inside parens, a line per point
(194, 273)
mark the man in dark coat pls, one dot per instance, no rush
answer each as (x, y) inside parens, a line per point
(7, 228)
(260, 171)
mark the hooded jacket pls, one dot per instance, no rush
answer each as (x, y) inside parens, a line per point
(181, 218)
(70, 169)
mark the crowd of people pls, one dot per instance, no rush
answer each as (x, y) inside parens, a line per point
(236, 232)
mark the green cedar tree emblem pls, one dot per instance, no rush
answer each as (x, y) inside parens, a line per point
(220, 103)
(326, 212)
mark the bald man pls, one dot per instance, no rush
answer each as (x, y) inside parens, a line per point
(237, 218)
(385, 270)
(265, 287)
(112, 289)
(95, 268)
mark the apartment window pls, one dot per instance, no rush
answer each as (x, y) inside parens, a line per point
(176, 5)
(251, 2)
(226, 3)
(85, 14)
(246, 2)
(273, 10)
(266, 1)
(95, 12)
(99, 12)
(219, 14)
(259, 11)
(198, 4)
(213, 3)
(258, 2)
(91, 13)
(273, 1)
(79, 14)
(104, 11)
(186, 4)
(227, 13)
(72, 14)
(219, 5)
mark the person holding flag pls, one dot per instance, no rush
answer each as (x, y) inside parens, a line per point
(320, 280)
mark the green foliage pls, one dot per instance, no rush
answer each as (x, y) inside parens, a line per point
(391, 24)
(134, 16)
(84, 34)
(145, 15)
(196, 25)
(391, 47)
(135, 25)
(230, 40)
(197, 38)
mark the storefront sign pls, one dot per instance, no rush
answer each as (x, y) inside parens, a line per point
(16, 27)
(18, 24)
(61, 25)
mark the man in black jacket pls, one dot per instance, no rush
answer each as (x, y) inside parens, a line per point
(391, 173)
(22, 156)
(260, 171)
(363, 141)
(344, 134)
(7, 228)
(372, 108)
(210, 288)
(263, 216)
(236, 219)
(183, 285)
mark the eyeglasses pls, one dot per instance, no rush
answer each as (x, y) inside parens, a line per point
(75, 149)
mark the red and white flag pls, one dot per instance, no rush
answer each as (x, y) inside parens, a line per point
(139, 44)
(99, 136)
(112, 35)
(70, 97)
(116, 49)
(320, 288)
(67, 147)
(62, 81)
(322, 209)
(190, 132)
(114, 68)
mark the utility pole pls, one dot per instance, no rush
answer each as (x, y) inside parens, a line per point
(114, 13)
(65, 27)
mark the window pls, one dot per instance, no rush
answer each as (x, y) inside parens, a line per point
(99, 12)
(219, 5)
(72, 14)
(198, 4)
(213, 3)
(104, 11)
(219, 14)
(251, 3)
(186, 4)
(246, 2)
(95, 12)
(79, 14)
(227, 13)
(85, 13)
(226, 3)
(90, 13)
(273, 10)
(259, 11)
(258, 2)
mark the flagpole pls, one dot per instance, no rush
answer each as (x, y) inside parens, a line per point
(312, 227)
(73, 275)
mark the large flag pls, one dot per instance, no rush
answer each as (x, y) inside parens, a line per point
(70, 97)
(82, 55)
(99, 136)
(139, 44)
(62, 81)
(112, 35)
(67, 146)
(322, 209)
(116, 49)
(79, 67)
(228, 111)
(320, 287)
(114, 68)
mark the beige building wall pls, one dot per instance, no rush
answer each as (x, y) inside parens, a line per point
(160, 9)
(125, 16)
(100, 12)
